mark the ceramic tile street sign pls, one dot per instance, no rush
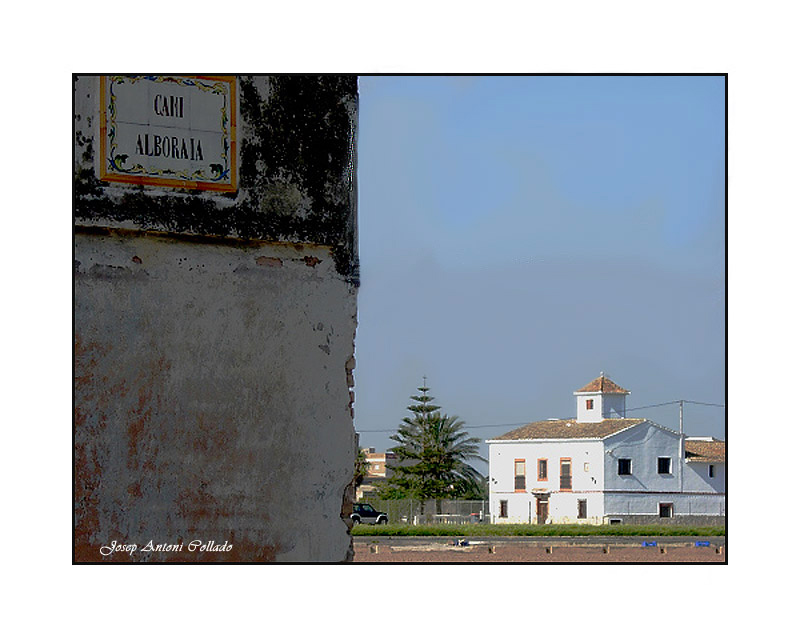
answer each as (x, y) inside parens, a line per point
(169, 131)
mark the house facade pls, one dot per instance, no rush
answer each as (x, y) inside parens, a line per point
(602, 467)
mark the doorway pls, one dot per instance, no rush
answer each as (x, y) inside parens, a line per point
(542, 509)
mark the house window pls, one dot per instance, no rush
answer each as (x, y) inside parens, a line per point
(624, 467)
(566, 474)
(711, 471)
(519, 475)
(542, 469)
(665, 465)
(664, 509)
(590, 404)
(504, 508)
(581, 509)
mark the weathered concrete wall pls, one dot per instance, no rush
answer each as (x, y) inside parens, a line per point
(214, 340)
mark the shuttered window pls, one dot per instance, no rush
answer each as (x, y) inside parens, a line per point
(519, 475)
(542, 469)
(566, 473)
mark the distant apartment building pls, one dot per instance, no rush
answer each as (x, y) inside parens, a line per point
(378, 470)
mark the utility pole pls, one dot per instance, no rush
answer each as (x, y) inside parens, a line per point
(681, 447)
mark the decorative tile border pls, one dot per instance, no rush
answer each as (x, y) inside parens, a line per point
(169, 131)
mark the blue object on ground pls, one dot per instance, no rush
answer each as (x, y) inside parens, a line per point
(647, 543)
(702, 543)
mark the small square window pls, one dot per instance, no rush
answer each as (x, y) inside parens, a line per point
(624, 467)
(665, 465)
(664, 509)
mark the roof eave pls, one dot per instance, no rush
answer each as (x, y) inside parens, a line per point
(517, 440)
(605, 393)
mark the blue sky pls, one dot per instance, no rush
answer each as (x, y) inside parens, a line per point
(520, 234)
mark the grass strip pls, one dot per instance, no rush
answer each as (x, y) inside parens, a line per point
(555, 530)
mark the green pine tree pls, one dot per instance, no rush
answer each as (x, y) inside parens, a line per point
(433, 455)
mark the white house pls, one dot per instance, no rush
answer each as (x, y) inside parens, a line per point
(603, 467)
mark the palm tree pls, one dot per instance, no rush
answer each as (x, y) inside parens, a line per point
(446, 456)
(361, 468)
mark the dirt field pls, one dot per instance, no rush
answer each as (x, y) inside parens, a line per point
(516, 551)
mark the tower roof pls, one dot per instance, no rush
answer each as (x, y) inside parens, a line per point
(603, 385)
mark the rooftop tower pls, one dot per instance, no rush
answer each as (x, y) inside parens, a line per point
(601, 399)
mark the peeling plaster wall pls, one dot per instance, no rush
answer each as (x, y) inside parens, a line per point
(214, 340)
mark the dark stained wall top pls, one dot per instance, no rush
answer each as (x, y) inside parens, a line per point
(296, 138)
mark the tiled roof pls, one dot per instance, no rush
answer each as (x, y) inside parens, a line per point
(380, 457)
(604, 385)
(705, 450)
(563, 429)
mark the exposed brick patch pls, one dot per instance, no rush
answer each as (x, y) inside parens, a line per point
(266, 261)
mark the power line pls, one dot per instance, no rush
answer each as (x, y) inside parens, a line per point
(466, 426)
(519, 424)
(708, 404)
(650, 406)
(664, 404)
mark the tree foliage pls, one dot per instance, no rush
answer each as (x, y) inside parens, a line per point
(433, 455)
(361, 468)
